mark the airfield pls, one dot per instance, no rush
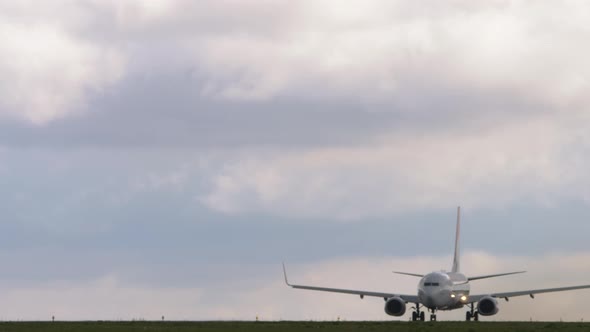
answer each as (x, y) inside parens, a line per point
(291, 326)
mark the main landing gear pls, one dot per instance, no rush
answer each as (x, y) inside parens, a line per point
(417, 315)
(472, 314)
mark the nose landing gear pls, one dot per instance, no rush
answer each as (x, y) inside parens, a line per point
(419, 315)
(432, 315)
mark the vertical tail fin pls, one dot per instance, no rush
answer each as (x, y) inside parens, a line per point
(456, 265)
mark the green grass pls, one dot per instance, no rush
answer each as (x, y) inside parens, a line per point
(292, 326)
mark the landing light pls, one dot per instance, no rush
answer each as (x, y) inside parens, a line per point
(453, 296)
(463, 298)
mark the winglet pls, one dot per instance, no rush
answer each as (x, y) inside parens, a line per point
(285, 274)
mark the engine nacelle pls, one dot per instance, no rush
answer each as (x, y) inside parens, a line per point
(487, 306)
(395, 306)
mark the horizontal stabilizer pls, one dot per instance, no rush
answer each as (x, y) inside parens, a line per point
(410, 274)
(494, 275)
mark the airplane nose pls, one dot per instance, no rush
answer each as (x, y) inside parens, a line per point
(429, 296)
(436, 296)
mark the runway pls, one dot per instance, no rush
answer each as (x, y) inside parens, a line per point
(286, 326)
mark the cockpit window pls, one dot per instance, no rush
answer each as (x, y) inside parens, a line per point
(431, 284)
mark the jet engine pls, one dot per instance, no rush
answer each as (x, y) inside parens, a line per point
(395, 306)
(487, 306)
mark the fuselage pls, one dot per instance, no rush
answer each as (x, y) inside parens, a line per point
(443, 290)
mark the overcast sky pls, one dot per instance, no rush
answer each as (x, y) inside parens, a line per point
(163, 157)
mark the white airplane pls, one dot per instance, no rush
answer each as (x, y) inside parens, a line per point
(441, 290)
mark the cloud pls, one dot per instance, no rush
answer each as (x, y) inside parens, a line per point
(532, 160)
(47, 71)
(377, 49)
(161, 127)
(376, 53)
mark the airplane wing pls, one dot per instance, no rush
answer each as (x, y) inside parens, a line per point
(531, 293)
(361, 293)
